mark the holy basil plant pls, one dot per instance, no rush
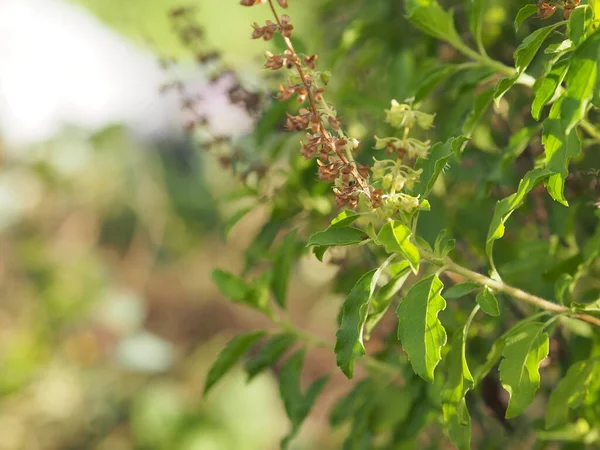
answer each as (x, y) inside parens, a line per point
(483, 252)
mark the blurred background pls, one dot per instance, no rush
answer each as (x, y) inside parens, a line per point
(112, 218)
(110, 224)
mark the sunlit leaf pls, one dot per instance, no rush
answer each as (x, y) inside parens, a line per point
(488, 303)
(525, 349)
(349, 338)
(579, 24)
(428, 16)
(269, 353)
(525, 52)
(559, 148)
(337, 236)
(458, 383)
(229, 356)
(395, 237)
(548, 87)
(419, 330)
(570, 392)
(581, 81)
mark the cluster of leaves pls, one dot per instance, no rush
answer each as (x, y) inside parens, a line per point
(547, 286)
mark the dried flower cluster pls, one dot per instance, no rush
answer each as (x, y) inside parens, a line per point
(547, 8)
(325, 139)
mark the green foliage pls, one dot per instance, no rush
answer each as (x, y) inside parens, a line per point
(419, 329)
(526, 346)
(232, 352)
(459, 155)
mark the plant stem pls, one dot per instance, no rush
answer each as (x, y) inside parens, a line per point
(501, 286)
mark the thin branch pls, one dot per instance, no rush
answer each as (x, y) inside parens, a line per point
(501, 286)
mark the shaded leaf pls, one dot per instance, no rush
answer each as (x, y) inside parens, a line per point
(476, 13)
(229, 356)
(383, 298)
(481, 104)
(282, 265)
(269, 353)
(505, 207)
(525, 348)
(349, 338)
(419, 329)
(458, 383)
(239, 291)
(443, 244)
(394, 236)
(525, 52)
(525, 12)
(433, 165)
(350, 403)
(297, 405)
(569, 393)
(434, 77)
(503, 86)
(488, 302)
(460, 290)
(230, 222)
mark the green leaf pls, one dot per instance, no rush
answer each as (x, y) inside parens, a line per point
(525, 52)
(337, 236)
(503, 86)
(460, 290)
(443, 244)
(476, 14)
(561, 47)
(394, 236)
(559, 148)
(458, 383)
(428, 16)
(349, 404)
(579, 24)
(481, 104)
(525, 12)
(282, 266)
(433, 165)
(229, 356)
(269, 353)
(419, 329)
(491, 359)
(525, 348)
(548, 87)
(344, 219)
(434, 77)
(383, 298)
(349, 338)
(569, 393)
(487, 300)
(239, 291)
(505, 207)
(297, 405)
(581, 81)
